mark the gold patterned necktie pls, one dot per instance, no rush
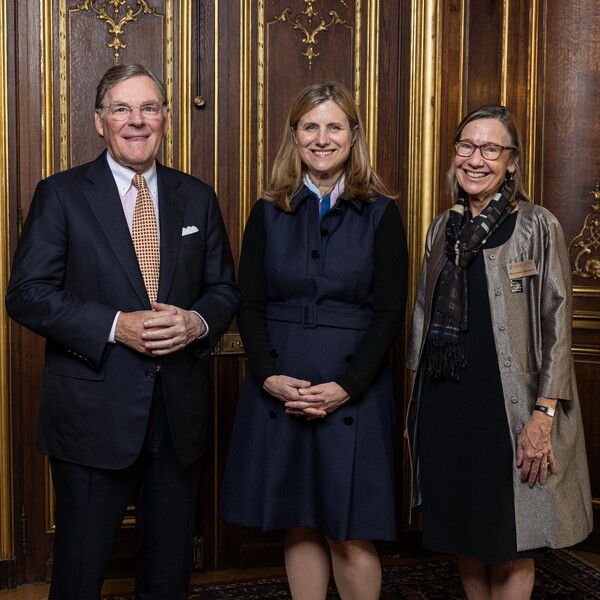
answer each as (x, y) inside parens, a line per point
(144, 233)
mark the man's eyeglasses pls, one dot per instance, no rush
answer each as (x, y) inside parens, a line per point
(488, 151)
(122, 112)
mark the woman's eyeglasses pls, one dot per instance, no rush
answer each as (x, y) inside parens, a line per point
(488, 151)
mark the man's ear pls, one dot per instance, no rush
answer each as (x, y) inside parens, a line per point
(98, 121)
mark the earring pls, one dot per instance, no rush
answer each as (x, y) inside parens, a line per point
(510, 176)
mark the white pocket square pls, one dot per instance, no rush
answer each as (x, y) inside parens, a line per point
(188, 230)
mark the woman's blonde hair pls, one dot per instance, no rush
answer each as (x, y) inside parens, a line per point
(505, 116)
(287, 174)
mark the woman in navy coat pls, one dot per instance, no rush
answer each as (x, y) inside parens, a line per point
(322, 277)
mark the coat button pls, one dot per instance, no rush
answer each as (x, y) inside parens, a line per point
(149, 373)
(498, 292)
(492, 257)
(272, 414)
(324, 232)
(514, 400)
(507, 363)
(349, 358)
(348, 420)
(315, 254)
(274, 353)
(502, 328)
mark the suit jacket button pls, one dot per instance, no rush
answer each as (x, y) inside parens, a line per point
(349, 358)
(274, 353)
(272, 414)
(149, 373)
(348, 420)
(324, 232)
(315, 254)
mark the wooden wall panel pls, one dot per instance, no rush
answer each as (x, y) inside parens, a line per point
(568, 172)
(538, 57)
(89, 55)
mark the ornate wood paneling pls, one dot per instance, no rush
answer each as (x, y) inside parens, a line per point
(566, 176)
(231, 68)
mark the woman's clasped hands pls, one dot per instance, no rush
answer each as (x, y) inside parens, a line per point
(303, 399)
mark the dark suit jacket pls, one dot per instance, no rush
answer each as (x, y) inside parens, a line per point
(74, 267)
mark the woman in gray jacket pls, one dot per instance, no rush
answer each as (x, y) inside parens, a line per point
(494, 423)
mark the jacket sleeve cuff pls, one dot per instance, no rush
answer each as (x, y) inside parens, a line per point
(352, 386)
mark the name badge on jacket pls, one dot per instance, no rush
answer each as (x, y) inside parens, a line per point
(516, 272)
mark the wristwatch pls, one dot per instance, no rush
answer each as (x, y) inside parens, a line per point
(545, 409)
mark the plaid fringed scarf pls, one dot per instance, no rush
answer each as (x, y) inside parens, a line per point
(465, 237)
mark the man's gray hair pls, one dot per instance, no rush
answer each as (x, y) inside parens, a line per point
(120, 73)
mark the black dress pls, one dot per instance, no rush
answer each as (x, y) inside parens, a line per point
(320, 301)
(465, 450)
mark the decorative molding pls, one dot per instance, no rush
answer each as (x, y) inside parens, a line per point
(423, 140)
(47, 71)
(424, 118)
(311, 23)
(371, 105)
(246, 111)
(586, 245)
(585, 292)
(116, 23)
(370, 108)
(6, 489)
(184, 106)
(49, 84)
(260, 110)
(504, 83)
(216, 97)
(584, 319)
(534, 93)
(586, 354)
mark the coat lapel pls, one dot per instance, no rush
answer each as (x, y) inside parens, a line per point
(103, 198)
(172, 210)
(437, 260)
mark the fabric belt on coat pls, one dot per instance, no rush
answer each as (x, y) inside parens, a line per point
(311, 315)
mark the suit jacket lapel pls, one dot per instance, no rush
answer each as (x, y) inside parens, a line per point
(103, 198)
(172, 209)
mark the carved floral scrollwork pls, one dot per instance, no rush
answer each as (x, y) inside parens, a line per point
(117, 21)
(310, 23)
(586, 245)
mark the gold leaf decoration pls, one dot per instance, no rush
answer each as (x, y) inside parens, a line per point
(586, 245)
(310, 23)
(116, 21)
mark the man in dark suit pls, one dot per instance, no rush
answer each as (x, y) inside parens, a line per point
(125, 398)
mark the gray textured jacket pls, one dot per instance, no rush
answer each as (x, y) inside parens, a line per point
(532, 332)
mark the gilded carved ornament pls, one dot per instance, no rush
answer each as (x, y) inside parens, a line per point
(116, 23)
(587, 244)
(310, 23)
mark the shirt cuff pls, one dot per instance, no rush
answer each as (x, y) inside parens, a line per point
(205, 325)
(113, 329)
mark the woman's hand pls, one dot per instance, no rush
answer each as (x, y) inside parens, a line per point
(318, 400)
(285, 388)
(534, 449)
